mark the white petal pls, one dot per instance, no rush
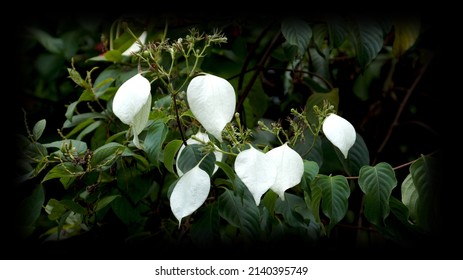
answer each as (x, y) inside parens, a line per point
(132, 104)
(340, 132)
(256, 172)
(205, 138)
(212, 101)
(136, 47)
(189, 193)
(130, 98)
(290, 168)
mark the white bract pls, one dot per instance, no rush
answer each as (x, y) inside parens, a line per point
(189, 193)
(203, 137)
(136, 47)
(212, 101)
(340, 132)
(290, 168)
(279, 169)
(132, 104)
(256, 172)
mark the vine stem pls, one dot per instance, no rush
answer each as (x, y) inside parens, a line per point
(407, 96)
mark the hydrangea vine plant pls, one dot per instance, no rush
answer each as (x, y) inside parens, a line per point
(156, 133)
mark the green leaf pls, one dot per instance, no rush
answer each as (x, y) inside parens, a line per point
(227, 169)
(337, 31)
(125, 211)
(205, 231)
(70, 111)
(294, 211)
(38, 129)
(377, 182)
(57, 210)
(426, 178)
(313, 200)
(154, 139)
(131, 181)
(75, 76)
(89, 129)
(73, 206)
(406, 32)
(64, 170)
(192, 154)
(311, 169)
(366, 36)
(50, 43)
(170, 150)
(335, 195)
(77, 119)
(105, 201)
(104, 156)
(30, 209)
(410, 197)
(105, 79)
(297, 32)
(113, 56)
(241, 212)
(358, 156)
(80, 146)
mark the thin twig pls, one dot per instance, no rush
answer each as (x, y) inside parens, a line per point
(401, 108)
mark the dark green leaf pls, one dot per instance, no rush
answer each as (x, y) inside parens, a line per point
(64, 170)
(105, 201)
(367, 38)
(170, 150)
(50, 43)
(155, 136)
(38, 129)
(191, 155)
(241, 212)
(227, 169)
(205, 231)
(30, 209)
(335, 195)
(104, 156)
(426, 178)
(57, 209)
(377, 182)
(297, 32)
(68, 144)
(113, 55)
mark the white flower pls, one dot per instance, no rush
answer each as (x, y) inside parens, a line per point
(190, 192)
(203, 137)
(256, 171)
(212, 101)
(136, 47)
(290, 168)
(279, 169)
(339, 132)
(132, 104)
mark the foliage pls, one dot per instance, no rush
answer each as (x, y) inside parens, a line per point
(227, 146)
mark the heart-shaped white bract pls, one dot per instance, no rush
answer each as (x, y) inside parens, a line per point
(136, 47)
(203, 137)
(290, 168)
(256, 171)
(340, 132)
(212, 101)
(132, 104)
(189, 193)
